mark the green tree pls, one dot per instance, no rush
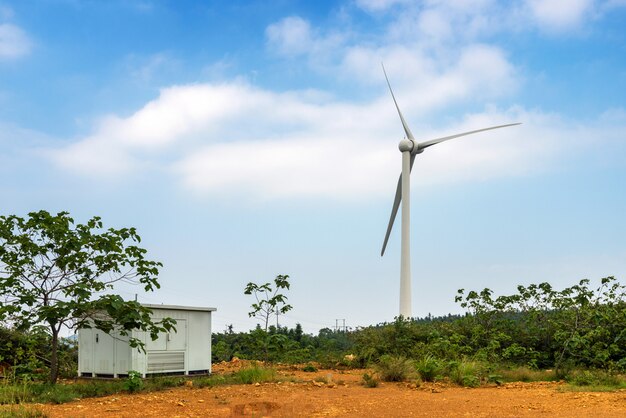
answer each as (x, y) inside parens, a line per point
(268, 301)
(54, 273)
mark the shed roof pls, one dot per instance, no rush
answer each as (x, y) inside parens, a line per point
(179, 307)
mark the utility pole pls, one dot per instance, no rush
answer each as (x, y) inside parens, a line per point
(340, 327)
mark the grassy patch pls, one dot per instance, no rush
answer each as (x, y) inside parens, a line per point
(21, 411)
(45, 393)
(209, 381)
(254, 374)
(592, 388)
(595, 381)
(524, 374)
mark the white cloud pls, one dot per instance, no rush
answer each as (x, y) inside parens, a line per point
(290, 36)
(445, 21)
(236, 139)
(294, 36)
(14, 43)
(558, 15)
(473, 72)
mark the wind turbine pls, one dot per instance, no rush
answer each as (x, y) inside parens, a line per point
(410, 148)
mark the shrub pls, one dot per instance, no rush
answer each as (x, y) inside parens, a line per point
(465, 373)
(309, 368)
(394, 368)
(370, 381)
(428, 368)
(133, 382)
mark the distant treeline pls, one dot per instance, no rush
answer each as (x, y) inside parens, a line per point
(537, 327)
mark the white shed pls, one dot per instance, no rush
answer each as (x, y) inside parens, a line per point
(186, 351)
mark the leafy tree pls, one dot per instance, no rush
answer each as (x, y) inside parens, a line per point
(268, 301)
(53, 273)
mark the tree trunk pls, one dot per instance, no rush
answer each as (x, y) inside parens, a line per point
(54, 360)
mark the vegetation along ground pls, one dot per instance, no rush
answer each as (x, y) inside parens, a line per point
(538, 350)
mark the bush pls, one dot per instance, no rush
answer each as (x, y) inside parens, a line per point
(465, 373)
(394, 368)
(429, 368)
(309, 368)
(370, 381)
(133, 382)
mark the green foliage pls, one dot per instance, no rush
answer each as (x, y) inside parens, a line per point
(466, 373)
(133, 382)
(51, 270)
(537, 328)
(429, 368)
(394, 368)
(370, 381)
(268, 301)
(545, 327)
(285, 345)
(309, 368)
(595, 378)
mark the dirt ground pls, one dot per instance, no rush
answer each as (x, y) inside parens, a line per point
(332, 393)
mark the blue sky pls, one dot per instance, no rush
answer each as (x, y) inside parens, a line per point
(246, 139)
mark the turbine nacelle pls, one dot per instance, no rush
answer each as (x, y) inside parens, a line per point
(406, 145)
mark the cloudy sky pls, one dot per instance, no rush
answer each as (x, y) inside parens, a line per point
(246, 139)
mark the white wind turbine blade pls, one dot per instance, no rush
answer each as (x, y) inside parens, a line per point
(409, 135)
(432, 142)
(394, 209)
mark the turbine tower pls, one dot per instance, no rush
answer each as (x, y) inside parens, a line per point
(410, 148)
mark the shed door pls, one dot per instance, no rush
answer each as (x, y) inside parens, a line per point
(178, 340)
(103, 352)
